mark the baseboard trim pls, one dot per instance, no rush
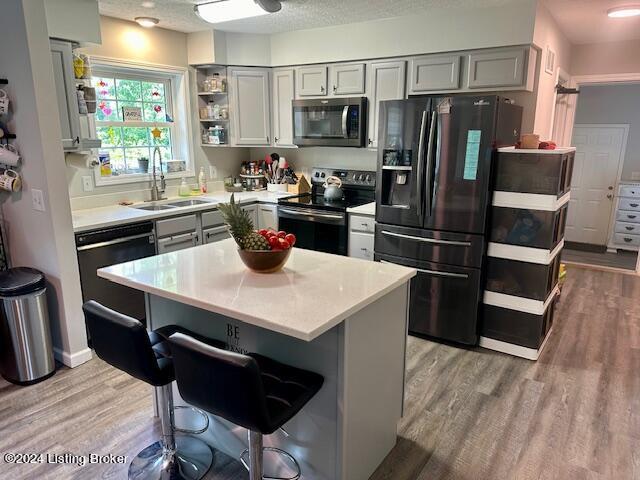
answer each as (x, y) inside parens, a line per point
(72, 360)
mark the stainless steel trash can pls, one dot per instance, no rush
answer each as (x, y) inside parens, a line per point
(26, 354)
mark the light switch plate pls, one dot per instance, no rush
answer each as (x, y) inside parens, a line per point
(635, 175)
(37, 200)
(213, 172)
(87, 183)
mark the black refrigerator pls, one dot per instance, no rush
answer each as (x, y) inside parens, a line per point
(432, 194)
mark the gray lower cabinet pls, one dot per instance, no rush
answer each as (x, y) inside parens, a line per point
(177, 233)
(178, 242)
(267, 216)
(64, 82)
(347, 78)
(386, 82)
(282, 95)
(252, 210)
(215, 234)
(432, 73)
(498, 68)
(311, 81)
(250, 103)
(361, 236)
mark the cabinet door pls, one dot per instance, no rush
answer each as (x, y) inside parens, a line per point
(434, 73)
(283, 92)
(252, 210)
(386, 82)
(64, 79)
(268, 216)
(499, 68)
(250, 106)
(216, 234)
(347, 79)
(179, 242)
(311, 81)
(361, 245)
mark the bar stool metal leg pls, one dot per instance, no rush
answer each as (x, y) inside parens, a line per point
(255, 455)
(255, 465)
(172, 458)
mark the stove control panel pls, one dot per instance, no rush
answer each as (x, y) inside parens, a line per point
(364, 178)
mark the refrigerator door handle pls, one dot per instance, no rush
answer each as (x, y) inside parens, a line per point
(426, 240)
(435, 272)
(419, 170)
(432, 130)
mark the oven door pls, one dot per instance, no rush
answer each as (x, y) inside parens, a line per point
(320, 230)
(335, 122)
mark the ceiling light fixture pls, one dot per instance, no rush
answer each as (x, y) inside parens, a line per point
(220, 11)
(148, 4)
(624, 12)
(147, 22)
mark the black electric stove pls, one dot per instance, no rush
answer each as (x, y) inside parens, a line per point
(321, 224)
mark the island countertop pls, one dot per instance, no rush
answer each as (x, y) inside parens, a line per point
(314, 292)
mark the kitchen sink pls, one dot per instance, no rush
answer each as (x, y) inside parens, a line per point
(153, 208)
(187, 203)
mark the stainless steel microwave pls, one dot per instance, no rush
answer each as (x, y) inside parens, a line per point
(335, 122)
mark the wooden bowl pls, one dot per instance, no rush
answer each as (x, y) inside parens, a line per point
(264, 261)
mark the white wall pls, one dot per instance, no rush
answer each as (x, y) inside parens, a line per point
(75, 20)
(606, 58)
(43, 240)
(547, 33)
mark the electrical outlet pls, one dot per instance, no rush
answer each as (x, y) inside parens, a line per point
(213, 172)
(37, 200)
(87, 183)
(635, 175)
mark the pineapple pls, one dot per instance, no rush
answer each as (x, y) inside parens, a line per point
(241, 227)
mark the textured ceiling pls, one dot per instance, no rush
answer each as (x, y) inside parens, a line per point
(586, 21)
(295, 14)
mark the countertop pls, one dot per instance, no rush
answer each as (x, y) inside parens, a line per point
(366, 209)
(557, 150)
(102, 217)
(313, 293)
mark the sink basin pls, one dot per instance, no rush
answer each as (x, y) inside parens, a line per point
(153, 208)
(187, 203)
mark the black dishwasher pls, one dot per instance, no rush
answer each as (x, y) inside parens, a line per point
(110, 246)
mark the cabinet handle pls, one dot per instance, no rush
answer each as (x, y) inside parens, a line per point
(630, 229)
(627, 239)
(633, 205)
(321, 88)
(275, 139)
(631, 216)
(267, 138)
(370, 142)
(335, 89)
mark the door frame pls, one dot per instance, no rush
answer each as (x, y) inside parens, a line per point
(576, 82)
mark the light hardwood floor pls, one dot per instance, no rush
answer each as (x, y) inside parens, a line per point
(470, 413)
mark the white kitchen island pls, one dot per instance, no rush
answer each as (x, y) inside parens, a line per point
(341, 317)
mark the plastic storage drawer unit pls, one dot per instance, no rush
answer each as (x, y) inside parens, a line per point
(528, 228)
(543, 172)
(522, 279)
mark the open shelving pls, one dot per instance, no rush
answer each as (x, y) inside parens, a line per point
(220, 98)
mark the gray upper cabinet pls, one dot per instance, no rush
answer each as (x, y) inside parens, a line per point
(282, 96)
(497, 68)
(386, 82)
(62, 58)
(434, 73)
(347, 78)
(249, 91)
(311, 81)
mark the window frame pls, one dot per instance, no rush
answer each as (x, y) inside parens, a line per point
(176, 101)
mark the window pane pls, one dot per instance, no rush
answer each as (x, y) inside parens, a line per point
(166, 155)
(154, 112)
(116, 156)
(132, 156)
(128, 90)
(153, 92)
(107, 111)
(110, 136)
(165, 137)
(134, 137)
(104, 87)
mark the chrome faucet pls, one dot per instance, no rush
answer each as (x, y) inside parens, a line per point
(156, 193)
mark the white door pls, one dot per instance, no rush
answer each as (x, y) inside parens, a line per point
(283, 92)
(386, 82)
(599, 154)
(250, 107)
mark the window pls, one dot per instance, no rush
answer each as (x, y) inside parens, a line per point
(154, 102)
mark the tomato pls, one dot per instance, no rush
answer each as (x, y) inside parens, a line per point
(271, 233)
(274, 242)
(291, 238)
(282, 234)
(263, 232)
(284, 245)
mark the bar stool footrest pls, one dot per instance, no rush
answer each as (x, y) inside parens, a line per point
(279, 451)
(196, 411)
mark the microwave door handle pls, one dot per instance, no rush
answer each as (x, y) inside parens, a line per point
(419, 170)
(345, 115)
(429, 167)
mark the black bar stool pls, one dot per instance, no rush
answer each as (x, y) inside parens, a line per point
(124, 343)
(252, 391)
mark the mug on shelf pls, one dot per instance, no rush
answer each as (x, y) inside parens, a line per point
(4, 102)
(9, 155)
(10, 180)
